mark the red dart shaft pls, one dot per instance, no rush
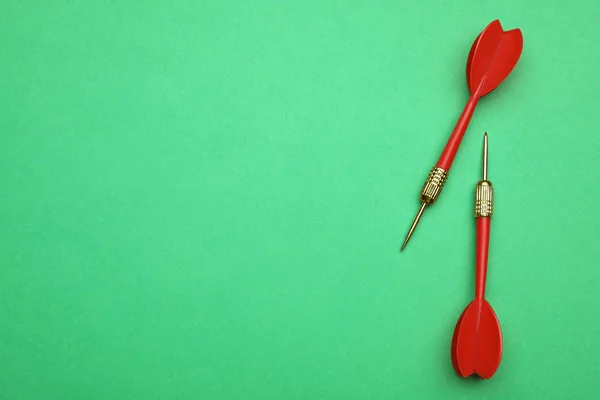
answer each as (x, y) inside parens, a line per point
(447, 157)
(481, 255)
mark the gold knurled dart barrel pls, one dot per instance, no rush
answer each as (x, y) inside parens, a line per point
(484, 199)
(433, 185)
(429, 193)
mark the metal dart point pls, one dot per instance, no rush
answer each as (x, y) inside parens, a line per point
(414, 225)
(485, 156)
(484, 191)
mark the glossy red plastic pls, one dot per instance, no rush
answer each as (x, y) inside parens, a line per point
(493, 56)
(477, 341)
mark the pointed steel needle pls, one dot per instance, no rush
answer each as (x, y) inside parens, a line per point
(414, 225)
(485, 156)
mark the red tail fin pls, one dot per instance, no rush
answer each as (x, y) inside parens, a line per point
(493, 56)
(477, 346)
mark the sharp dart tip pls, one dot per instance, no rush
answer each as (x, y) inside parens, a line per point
(414, 225)
(485, 156)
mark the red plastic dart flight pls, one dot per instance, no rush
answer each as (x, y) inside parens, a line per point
(493, 56)
(477, 340)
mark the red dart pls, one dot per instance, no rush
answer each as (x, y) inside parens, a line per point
(493, 56)
(477, 340)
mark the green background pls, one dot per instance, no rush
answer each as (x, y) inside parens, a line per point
(206, 199)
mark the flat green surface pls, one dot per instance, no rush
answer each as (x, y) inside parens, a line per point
(205, 200)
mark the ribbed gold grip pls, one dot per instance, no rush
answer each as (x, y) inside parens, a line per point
(484, 199)
(433, 185)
